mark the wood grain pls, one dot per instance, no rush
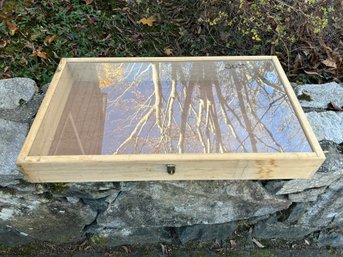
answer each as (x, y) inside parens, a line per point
(39, 167)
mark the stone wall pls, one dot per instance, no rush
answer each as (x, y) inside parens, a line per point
(112, 214)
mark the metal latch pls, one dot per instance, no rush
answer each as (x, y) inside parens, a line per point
(171, 169)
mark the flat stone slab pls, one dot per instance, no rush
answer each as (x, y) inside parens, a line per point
(127, 236)
(327, 125)
(206, 232)
(332, 239)
(318, 96)
(309, 195)
(16, 91)
(38, 218)
(12, 136)
(320, 179)
(175, 204)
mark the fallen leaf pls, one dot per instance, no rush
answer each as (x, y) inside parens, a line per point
(126, 249)
(219, 250)
(35, 35)
(233, 244)
(147, 21)
(327, 49)
(38, 52)
(334, 107)
(41, 54)
(29, 45)
(49, 39)
(258, 243)
(88, 1)
(3, 43)
(164, 249)
(92, 19)
(312, 73)
(6, 76)
(55, 55)
(12, 27)
(168, 51)
(83, 245)
(23, 61)
(2, 3)
(106, 38)
(330, 63)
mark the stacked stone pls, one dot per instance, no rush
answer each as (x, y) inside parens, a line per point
(111, 214)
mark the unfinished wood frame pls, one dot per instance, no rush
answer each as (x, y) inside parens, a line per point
(134, 167)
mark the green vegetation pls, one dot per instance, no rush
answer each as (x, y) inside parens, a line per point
(262, 253)
(307, 37)
(98, 241)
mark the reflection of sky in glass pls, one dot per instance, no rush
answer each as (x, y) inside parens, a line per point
(193, 107)
(271, 120)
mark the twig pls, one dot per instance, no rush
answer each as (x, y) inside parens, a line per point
(2, 2)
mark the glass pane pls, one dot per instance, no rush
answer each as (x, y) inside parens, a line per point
(177, 107)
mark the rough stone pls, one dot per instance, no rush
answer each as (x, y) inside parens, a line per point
(326, 212)
(206, 232)
(327, 125)
(255, 253)
(318, 96)
(11, 238)
(115, 214)
(86, 190)
(303, 218)
(124, 236)
(334, 157)
(175, 204)
(81, 254)
(203, 253)
(16, 91)
(272, 229)
(12, 136)
(42, 219)
(320, 179)
(337, 185)
(273, 186)
(332, 239)
(309, 195)
(25, 112)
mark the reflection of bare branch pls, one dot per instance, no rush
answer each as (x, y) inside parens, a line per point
(244, 113)
(259, 121)
(138, 72)
(186, 106)
(263, 115)
(268, 83)
(158, 94)
(167, 122)
(184, 115)
(225, 116)
(200, 106)
(146, 139)
(129, 87)
(139, 124)
(198, 125)
(213, 111)
(171, 100)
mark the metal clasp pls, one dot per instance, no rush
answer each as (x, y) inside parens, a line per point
(171, 169)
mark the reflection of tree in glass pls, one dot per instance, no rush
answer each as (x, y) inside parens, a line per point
(199, 107)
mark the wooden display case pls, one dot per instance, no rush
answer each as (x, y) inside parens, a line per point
(182, 118)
